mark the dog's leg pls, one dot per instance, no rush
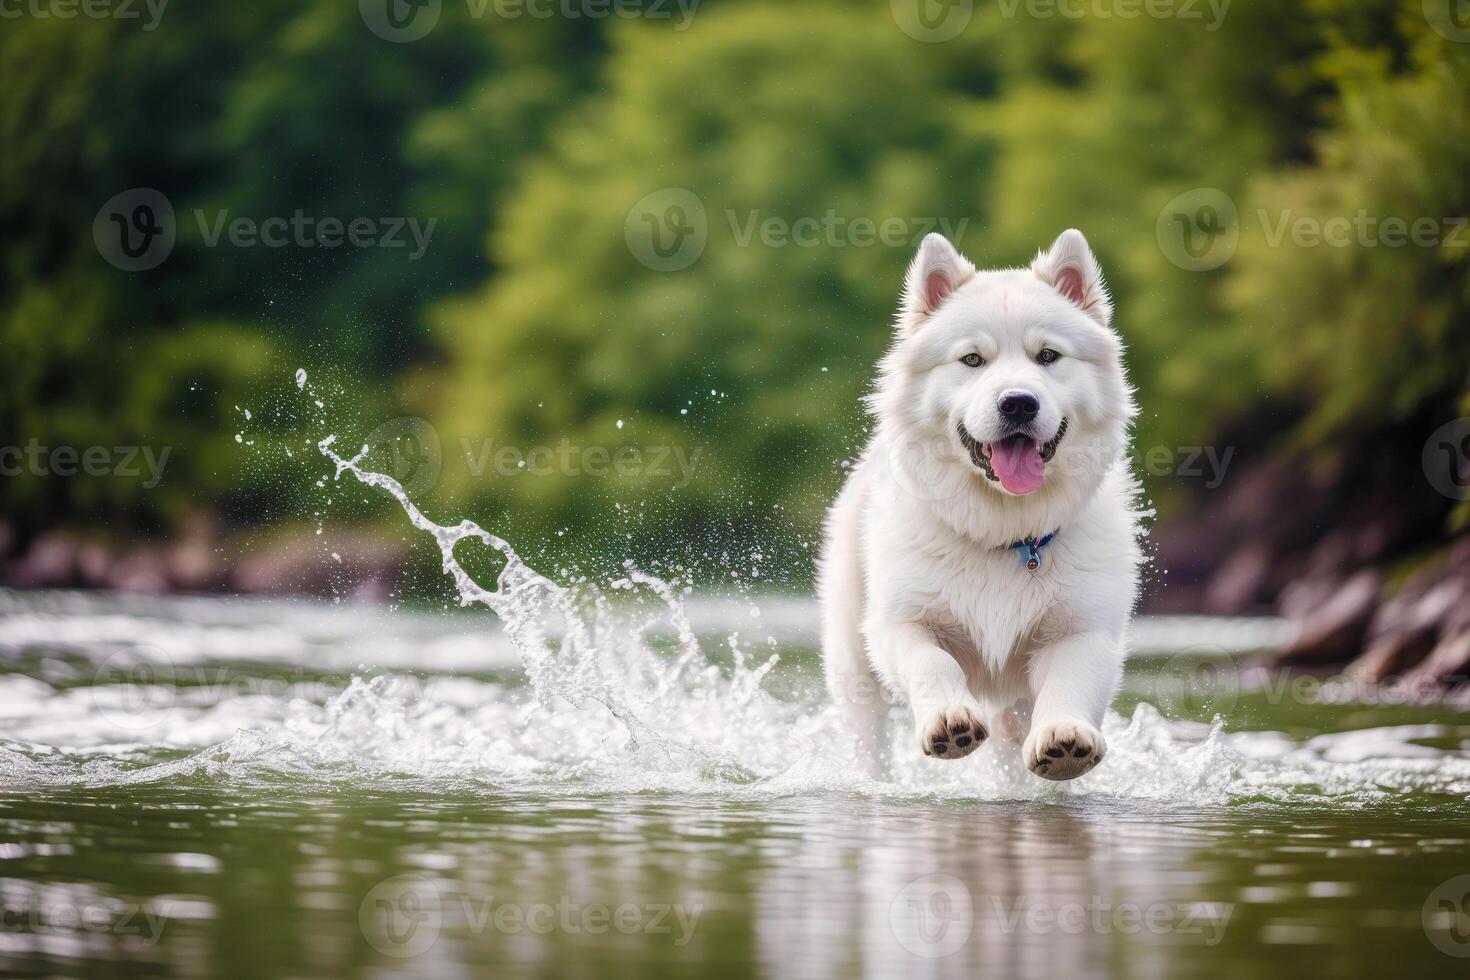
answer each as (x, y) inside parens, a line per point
(855, 689)
(860, 700)
(949, 721)
(1073, 682)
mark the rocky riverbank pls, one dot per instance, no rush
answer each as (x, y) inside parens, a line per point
(336, 562)
(1356, 557)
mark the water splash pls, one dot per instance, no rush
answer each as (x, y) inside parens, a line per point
(589, 690)
(576, 645)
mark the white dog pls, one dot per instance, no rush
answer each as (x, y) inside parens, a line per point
(983, 560)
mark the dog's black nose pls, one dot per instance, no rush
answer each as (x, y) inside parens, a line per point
(1018, 407)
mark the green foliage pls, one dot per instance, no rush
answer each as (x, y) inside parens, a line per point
(531, 321)
(755, 355)
(1366, 317)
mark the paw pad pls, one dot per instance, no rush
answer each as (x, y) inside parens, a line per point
(952, 733)
(1064, 751)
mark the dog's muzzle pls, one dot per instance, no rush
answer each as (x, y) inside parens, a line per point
(980, 452)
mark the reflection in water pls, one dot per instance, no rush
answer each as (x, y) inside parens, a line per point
(219, 788)
(190, 881)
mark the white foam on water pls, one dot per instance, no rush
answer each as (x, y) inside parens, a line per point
(612, 692)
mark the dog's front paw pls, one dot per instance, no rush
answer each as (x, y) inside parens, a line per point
(1063, 749)
(952, 732)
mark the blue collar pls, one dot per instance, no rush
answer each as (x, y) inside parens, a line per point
(1031, 547)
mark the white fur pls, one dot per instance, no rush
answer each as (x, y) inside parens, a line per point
(921, 595)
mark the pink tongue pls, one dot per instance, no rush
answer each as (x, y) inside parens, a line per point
(1018, 464)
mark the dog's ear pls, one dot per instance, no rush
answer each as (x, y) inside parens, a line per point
(1071, 269)
(936, 271)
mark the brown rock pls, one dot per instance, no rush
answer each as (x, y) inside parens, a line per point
(1238, 585)
(142, 569)
(50, 562)
(1334, 632)
(1447, 666)
(340, 562)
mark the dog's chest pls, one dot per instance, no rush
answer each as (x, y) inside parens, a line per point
(990, 602)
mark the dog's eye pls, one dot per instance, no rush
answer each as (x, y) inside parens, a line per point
(1047, 356)
(972, 360)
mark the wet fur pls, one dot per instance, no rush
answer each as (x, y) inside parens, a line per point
(922, 600)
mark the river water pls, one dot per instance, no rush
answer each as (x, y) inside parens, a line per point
(617, 781)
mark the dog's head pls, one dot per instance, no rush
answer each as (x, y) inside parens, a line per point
(1018, 371)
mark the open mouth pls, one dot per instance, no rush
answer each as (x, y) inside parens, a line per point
(1016, 462)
